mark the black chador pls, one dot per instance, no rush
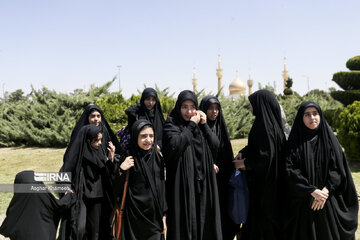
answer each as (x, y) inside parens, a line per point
(145, 204)
(154, 115)
(315, 160)
(265, 168)
(192, 195)
(223, 157)
(32, 215)
(90, 168)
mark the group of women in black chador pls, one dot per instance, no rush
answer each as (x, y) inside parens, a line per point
(178, 177)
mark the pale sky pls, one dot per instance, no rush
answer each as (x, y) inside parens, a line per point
(64, 45)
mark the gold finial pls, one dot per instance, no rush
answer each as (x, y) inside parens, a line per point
(194, 80)
(219, 74)
(250, 83)
(285, 74)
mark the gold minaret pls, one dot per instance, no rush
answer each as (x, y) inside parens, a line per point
(194, 81)
(285, 74)
(219, 74)
(250, 84)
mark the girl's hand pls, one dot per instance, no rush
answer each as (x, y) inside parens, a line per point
(318, 205)
(216, 168)
(195, 118)
(319, 195)
(202, 117)
(164, 223)
(128, 163)
(111, 149)
(239, 163)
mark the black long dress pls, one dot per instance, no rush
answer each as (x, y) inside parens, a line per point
(89, 169)
(33, 216)
(192, 195)
(223, 157)
(315, 160)
(265, 168)
(155, 115)
(145, 204)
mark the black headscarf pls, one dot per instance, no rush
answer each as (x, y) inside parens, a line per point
(155, 115)
(265, 167)
(87, 167)
(108, 134)
(145, 203)
(315, 160)
(33, 216)
(191, 182)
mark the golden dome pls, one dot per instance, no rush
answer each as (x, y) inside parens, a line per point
(237, 87)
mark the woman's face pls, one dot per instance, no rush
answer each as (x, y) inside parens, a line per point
(95, 118)
(188, 109)
(213, 111)
(311, 118)
(146, 138)
(150, 102)
(95, 143)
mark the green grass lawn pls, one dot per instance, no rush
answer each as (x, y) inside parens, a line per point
(14, 160)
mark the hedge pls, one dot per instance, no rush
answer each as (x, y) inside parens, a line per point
(346, 97)
(348, 128)
(288, 91)
(347, 80)
(353, 63)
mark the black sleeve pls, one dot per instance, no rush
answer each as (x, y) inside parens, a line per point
(176, 140)
(210, 136)
(245, 151)
(298, 184)
(334, 177)
(257, 162)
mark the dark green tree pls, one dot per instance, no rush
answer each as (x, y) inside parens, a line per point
(16, 96)
(46, 118)
(288, 90)
(237, 116)
(349, 81)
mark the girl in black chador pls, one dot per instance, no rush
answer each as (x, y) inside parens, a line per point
(90, 167)
(223, 157)
(94, 115)
(263, 160)
(192, 195)
(148, 108)
(323, 199)
(145, 206)
(33, 215)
